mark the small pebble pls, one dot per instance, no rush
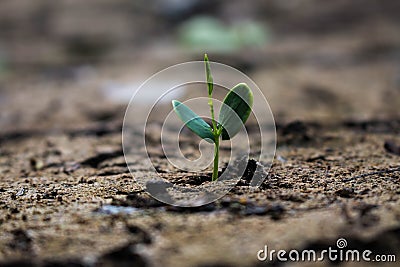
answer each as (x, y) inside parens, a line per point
(346, 192)
(392, 147)
(112, 210)
(20, 192)
(255, 210)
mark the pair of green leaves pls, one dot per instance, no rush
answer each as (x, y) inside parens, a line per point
(236, 105)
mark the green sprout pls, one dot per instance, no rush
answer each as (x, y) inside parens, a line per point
(236, 105)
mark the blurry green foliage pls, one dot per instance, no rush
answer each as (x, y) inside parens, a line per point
(210, 34)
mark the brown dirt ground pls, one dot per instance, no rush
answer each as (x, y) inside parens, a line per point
(68, 199)
(60, 173)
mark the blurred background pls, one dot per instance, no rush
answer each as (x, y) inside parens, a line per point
(68, 63)
(68, 68)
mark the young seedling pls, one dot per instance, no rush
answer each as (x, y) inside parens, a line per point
(237, 105)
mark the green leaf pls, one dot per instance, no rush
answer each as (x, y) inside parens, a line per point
(239, 100)
(193, 121)
(210, 81)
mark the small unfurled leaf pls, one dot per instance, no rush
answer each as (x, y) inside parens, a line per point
(236, 105)
(210, 81)
(193, 121)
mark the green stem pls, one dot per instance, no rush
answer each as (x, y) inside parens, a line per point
(216, 130)
(210, 103)
(217, 134)
(216, 158)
